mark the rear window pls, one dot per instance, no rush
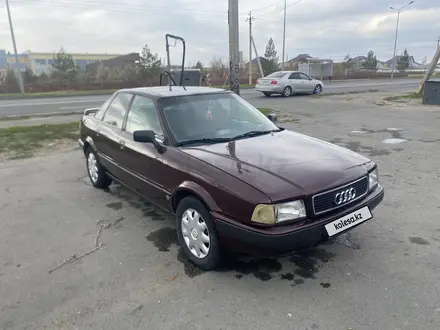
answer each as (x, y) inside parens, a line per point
(278, 74)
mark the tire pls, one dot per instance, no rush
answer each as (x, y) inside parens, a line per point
(318, 89)
(97, 176)
(210, 258)
(267, 94)
(287, 91)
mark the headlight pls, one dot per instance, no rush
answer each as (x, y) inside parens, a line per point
(272, 214)
(373, 179)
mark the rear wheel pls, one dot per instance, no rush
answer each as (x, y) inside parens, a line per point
(197, 234)
(287, 91)
(97, 175)
(267, 94)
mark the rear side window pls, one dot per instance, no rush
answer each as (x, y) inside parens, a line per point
(295, 75)
(116, 111)
(278, 74)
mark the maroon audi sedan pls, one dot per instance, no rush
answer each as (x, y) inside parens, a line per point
(232, 177)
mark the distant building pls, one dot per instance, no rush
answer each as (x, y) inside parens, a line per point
(39, 62)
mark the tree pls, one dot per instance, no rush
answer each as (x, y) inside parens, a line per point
(150, 64)
(11, 78)
(199, 65)
(403, 61)
(348, 63)
(218, 68)
(63, 61)
(272, 63)
(29, 76)
(370, 63)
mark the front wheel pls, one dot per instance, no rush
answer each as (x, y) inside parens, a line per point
(197, 234)
(96, 172)
(318, 89)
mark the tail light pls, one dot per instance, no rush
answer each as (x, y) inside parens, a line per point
(258, 81)
(273, 82)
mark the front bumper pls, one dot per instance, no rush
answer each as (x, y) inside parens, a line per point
(269, 88)
(263, 242)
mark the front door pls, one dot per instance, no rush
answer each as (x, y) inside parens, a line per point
(308, 84)
(142, 160)
(107, 137)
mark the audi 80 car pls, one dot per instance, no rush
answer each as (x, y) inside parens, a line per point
(232, 177)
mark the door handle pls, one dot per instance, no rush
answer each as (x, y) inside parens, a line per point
(121, 144)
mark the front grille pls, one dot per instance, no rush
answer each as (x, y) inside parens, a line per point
(326, 201)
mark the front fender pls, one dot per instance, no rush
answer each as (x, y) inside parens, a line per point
(197, 190)
(89, 142)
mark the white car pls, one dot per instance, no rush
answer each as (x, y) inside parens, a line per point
(288, 83)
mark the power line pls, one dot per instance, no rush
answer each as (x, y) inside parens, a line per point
(265, 7)
(121, 7)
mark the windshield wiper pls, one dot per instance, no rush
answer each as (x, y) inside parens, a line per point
(202, 141)
(254, 133)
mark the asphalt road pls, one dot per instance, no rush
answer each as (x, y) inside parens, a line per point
(73, 104)
(383, 275)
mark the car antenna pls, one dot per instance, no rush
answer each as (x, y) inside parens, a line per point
(168, 72)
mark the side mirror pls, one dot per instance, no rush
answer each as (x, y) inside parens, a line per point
(272, 117)
(147, 137)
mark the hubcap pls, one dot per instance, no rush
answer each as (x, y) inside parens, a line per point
(92, 165)
(287, 92)
(195, 233)
(318, 90)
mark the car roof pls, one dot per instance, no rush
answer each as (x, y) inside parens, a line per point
(164, 91)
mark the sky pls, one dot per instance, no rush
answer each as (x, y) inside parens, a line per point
(325, 28)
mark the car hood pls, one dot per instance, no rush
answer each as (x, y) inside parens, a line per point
(284, 164)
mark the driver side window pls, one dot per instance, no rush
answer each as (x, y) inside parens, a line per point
(143, 116)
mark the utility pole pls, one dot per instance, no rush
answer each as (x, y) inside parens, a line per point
(234, 60)
(250, 19)
(397, 31)
(17, 62)
(284, 34)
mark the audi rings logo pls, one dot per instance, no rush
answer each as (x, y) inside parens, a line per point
(345, 196)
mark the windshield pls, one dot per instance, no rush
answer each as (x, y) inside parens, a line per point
(278, 74)
(212, 117)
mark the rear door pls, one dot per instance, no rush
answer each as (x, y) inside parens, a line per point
(142, 161)
(107, 136)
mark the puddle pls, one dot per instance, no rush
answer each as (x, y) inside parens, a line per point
(163, 238)
(308, 262)
(190, 269)
(263, 269)
(418, 240)
(362, 149)
(115, 206)
(394, 141)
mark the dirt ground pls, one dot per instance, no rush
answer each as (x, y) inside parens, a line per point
(74, 257)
